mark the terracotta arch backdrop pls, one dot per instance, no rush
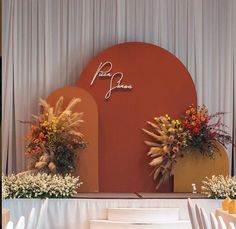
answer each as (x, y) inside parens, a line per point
(160, 84)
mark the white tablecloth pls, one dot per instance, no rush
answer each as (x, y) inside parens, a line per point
(76, 213)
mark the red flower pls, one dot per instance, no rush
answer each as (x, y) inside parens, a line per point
(175, 149)
(187, 112)
(193, 123)
(211, 134)
(195, 130)
(194, 117)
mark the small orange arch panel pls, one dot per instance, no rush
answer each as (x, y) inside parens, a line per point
(88, 159)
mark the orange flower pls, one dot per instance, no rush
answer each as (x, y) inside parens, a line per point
(203, 119)
(38, 148)
(33, 127)
(194, 117)
(187, 112)
(175, 149)
(193, 110)
(195, 130)
(41, 135)
(26, 138)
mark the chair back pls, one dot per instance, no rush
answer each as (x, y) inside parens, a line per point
(205, 220)
(42, 214)
(222, 224)
(231, 226)
(9, 225)
(21, 223)
(192, 215)
(214, 223)
(199, 218)
(32, 219)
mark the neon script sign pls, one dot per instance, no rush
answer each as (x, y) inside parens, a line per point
(104, 70)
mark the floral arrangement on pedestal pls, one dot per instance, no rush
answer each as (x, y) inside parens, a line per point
(195, 130)
(40, 185)
(219, 187)
(54, 139)
(202, 131)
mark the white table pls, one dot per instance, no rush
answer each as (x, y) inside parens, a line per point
(75, 213)
(5, 217)
(226, 216)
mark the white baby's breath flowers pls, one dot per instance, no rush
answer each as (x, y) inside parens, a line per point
(219, 187)
(40, 185)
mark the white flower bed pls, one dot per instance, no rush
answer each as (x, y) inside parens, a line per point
(40, 185)
(220, 187)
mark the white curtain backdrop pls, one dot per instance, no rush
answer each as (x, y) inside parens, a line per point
(47, 43)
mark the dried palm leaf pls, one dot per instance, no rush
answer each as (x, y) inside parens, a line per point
(35, 117)
(152, 144)
(75, 124)
(155, 151)
(156, 161)
(64, 115)
(40, 165)
(157, 172)
(72, 103)
(157, 128)
(158, 138)
(44, 104)
(76, 133)
(76, 115)
(161, 126)
(50, 114)
(52, 167)
(58, 106)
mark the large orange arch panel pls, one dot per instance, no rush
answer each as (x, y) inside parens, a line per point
(160, 84)
(88, 158)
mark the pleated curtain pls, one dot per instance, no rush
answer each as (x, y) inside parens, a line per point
(47, 43)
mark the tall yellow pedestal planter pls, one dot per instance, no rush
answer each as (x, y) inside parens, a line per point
(194, 167)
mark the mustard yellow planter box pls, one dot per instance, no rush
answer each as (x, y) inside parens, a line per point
(194, 167)
(232, 207)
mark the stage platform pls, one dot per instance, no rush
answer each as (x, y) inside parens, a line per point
(139, 196)
(76, 212)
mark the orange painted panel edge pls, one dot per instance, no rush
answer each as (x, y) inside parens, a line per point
(88, 158)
